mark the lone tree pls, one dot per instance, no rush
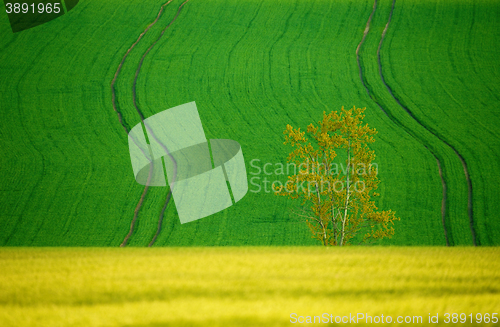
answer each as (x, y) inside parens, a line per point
(336, 198)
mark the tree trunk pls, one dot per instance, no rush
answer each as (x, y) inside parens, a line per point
(347, 191)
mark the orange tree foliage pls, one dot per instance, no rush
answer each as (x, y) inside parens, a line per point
(335, 198)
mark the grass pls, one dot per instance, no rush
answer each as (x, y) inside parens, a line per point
(252, 67)
(244, 286)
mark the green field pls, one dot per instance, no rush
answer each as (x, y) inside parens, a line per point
(252, 67)
(242, 286)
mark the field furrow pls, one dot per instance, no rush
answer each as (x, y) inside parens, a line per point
(127, 130)
(451, 219)
(464, 164)
(445, 73)
(395, 120)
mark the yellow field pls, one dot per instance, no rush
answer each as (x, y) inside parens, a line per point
(245, 286)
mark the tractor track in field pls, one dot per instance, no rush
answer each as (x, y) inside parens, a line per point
(150, 132)
(396, 121)
(365, 33)
(113, 91)
(120, 119)
(441, 175)
(462, 160)
(409, 112)
(141, 115)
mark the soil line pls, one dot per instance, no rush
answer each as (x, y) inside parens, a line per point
(396, 121)
(462, 160)
(120, 119)
(150, 132)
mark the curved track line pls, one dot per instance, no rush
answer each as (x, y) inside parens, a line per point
(113, 91)
(160, 220)
(120, 119)
(150, 132)
(138, 208)
(462, 160)
(365, 33)
(396, 121)
(141, 115)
